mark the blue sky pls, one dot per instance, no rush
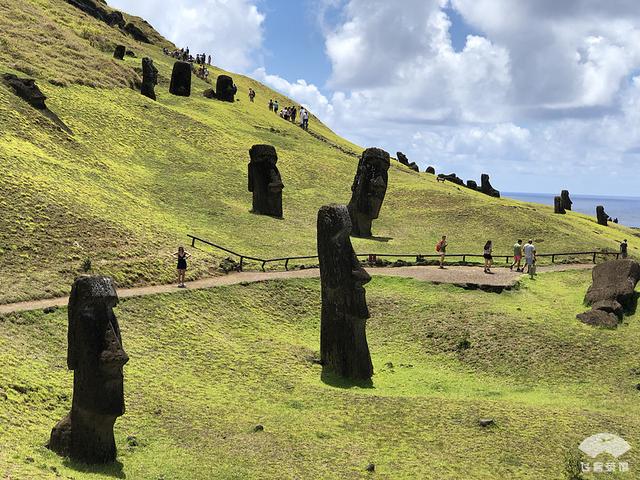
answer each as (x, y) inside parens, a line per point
(541, 95)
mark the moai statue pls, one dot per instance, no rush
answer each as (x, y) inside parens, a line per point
(96, 356)
(368, 190)
(486, 188)
(431, 170)
(602, 216)
(566, 201)
(558, 205)
(225, 89)
(119, 52)
(343, 340)
(472, 184)
(402, 158)
(149, 78)
(265, 181)
(181, 79)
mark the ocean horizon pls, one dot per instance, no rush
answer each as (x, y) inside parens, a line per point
(625, 208)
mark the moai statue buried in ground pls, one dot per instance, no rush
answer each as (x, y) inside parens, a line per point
(566, 200)
(225, 88)
(343, 340)
(558, 205)
(96, 356)
(368, 190)
(181, 79)
(149, 78)
(602, 216)
(265, 181)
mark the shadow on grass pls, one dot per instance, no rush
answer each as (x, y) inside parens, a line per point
(632, 305)
(115, 469)
(333, 380)
(380, 239)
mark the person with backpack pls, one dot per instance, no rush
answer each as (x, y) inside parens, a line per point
(441, 248)
(488, 257)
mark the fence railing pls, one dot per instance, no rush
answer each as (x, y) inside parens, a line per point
(263, 262)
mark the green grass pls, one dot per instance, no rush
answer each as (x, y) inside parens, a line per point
(207, 366)
(138, 175)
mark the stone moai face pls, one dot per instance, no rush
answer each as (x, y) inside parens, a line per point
(149, 71)
(566, 200)
(181, 79)
(265, 181)
(369, 189)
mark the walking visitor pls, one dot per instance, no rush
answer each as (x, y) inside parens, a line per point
(530, 258)
(488, 257)
(517, 256)
(441, 248)
(624, 247)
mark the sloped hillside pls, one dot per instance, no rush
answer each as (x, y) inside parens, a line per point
(136, 175)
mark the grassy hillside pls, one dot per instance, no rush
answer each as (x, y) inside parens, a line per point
(208, 366)
(138, 175)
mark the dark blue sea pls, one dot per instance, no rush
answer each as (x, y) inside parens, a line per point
(625, 209)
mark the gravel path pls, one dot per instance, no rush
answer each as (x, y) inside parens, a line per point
(502, 277)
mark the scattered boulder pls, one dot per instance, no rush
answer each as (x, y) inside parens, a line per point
(26, 89)
(48, 310)
(265, 181)
(566, 200)
(611, 293)
(209, 93)
(226, 89)
(229, 265)
(136, 33)
(472, 184)
(149, 78)
(414, 166)
(96, 356)
(402, 158)
(181, 79)
(486, 188)
(258, 428)
(115, 19)
(371, 468)
(602, 216)
(430, 170)
(452, 177)
(119, 52)
(486, 422)
(558, 205)
(343, 342)
(130, 53)
(368, 190)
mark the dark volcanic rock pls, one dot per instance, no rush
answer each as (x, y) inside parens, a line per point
(343, 341)
(181, 79)
(119, 52)
(486, 422)
(149, 78)
(602, 216)
(116, 19)
(402, 158)
(26, 89)
(130, 53)
(566, 200)
(368, 190)
(136, 33)
(452, 177)
(265, 181)
(96, 356)
(558, 206)
(431, 170)
(209, 93)
(486, 188)
(225, 89)
(414, 166)
(472, 184)
(90, 7)
(599, 318)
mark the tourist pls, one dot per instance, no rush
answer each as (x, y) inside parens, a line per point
(517, 256)
(209, 59)
(488, 257)
(252, 94)
(624, 247)
(271, 105)
(530, 258)
(304, 116)
(441, 248)
(275, 106)
(294, 112)
(182, 256)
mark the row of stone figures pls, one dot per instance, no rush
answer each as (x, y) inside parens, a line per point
(367, 192)
(96, 355)
(563, 203)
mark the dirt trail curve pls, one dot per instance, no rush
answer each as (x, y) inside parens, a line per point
(502, 277)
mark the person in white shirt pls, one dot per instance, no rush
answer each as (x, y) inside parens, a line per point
(530, 256)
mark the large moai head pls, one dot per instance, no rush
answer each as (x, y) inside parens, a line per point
(486, 188)
(225, 89)
(149, 78)
(265, 181)
(96, 356)
(343, 342)
(119, 52)
(558, 206)
(181, 79)
(601, 215)
(566, 200)
(26, 89)
(368, 190)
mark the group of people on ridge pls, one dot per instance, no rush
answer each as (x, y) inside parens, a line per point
(184, 55)
(291, 113)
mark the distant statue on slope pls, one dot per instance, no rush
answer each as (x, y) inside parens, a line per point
(265, 181)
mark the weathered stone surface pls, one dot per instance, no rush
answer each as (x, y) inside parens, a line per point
(136, 33)
(486, 188)
(452, 177)
(96, 356)
(225, 89)
(26, 89)
(149, 78)
(472, 184)
(609, 306)
(430, 170)
(343, 341)
(601, 215)
(181, 79)
(368, 190)
(115, 19)
(130, 53)
(414, 166)
(209, 93)
(614, 280)
(558, 206)
(599, 318)
(119, 52)
(566, 200)
(402, 158)
(265, 181)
